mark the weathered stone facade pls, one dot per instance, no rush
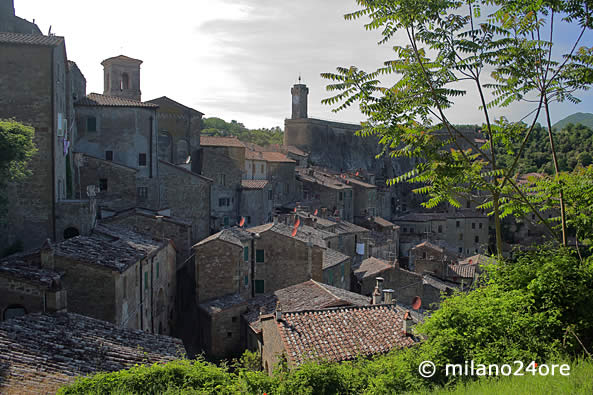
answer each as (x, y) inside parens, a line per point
(179, 132)
(9, 22)
(324, 191)
(33, 91)
(256, 202)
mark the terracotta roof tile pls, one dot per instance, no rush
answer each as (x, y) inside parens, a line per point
(30, 39)
(342, 333)
(97, 100)
(463, 271)
(234, 235)
(215, 141)
(276, 157)
(42, 352)
(254, 184)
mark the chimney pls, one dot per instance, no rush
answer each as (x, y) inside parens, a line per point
(278, 312)
(275, 219)
(380, 283)
(47, 255)
(408, 323)
(388, 296)
(376, 295)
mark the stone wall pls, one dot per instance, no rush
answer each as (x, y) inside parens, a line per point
(187, 195)
(77, 214)
(282, 177)
(287, 261)
(22, 294)
(225, 330)
(220, 270)
(32, 91)
(338, 275)
(273, 346)
(256, 207)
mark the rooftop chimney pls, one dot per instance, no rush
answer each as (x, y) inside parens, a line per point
(408, 323)
(380, 283)
(278, 312)
(388, 296)
(376, 295)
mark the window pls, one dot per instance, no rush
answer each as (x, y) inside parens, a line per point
(102, 184)
(440, 228)
(460, 250)
(468, 204)
(473, 225)
(142, 193)
(340, 195)
(125, 81)
(405, 230)
(248, 219)
(262, 168)
(224, 202)
(229, 334)
(222, 179)
(246, 281)
(253, 168)
(424, 255)
(329, 244)
(480, 226)
(234, 319)
(457, 224)
(141, 159)
(259, 286)
(259, 256)
(245, 254)
(477, 239)
(109, 155)
(91, 124)
(461, 236)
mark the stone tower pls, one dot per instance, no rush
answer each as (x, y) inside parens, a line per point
(299, 100)
(122, 77)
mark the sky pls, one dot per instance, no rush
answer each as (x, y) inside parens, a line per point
(235, 59)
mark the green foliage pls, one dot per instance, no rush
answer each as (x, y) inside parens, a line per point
(536, 308)
(16, 149)
(262, 136)
(585, 119)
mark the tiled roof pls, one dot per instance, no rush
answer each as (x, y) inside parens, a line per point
(332, 258)
(294, 150)
(371, 267)
(276, 157)
(463, 271)
(309, 295)
(97, 100)
(21, 269)
(438, 283)
(304, 233)
(234, 235)
(175, 103)
(428, 244)
(383, 222)
(254, 184)
(422, 217)
(356, 181)
(30, 39)
(345, 227)
(324, 179)
(342, 333)
(215, 141)
(121, 57)
(478, 259)
(111, 246)
(253, 155)
(42, 352)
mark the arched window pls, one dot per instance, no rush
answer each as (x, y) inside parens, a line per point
(13, 311)
(70, 232)
(125, 81)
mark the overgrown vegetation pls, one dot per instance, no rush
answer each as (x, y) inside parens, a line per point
(263, 136)
(16, 149)
(536, 308)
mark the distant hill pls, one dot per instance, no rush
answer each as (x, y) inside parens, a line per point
(219, 127)
(576, 118)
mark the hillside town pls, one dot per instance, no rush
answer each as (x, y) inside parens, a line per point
(143, 240)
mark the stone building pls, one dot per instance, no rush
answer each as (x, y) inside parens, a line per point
(43, 352)
(36, 90)
(223, 161)
(11, 23)
(364, 200)
(336, 269)
(179, 133)
(323, 190)
(118, 276)
(319, 334)
(299, 156)
(231, 324)
(256, 202)
(121, 130)
(281, 173)
(27, 287)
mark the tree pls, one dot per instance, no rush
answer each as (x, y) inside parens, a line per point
(16, 149)
(449, 42)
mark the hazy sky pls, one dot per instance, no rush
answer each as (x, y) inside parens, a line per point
(233, 59)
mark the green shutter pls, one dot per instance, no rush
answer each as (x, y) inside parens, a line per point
(245, 254)
(259, 286)
(246, 280)
(259, 255)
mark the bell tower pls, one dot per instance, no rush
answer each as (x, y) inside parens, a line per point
(122, 77)
(299, 100)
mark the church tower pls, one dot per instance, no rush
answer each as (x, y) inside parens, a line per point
(122, 77)
(299, 100)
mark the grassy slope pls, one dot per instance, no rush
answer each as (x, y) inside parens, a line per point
(576, 118)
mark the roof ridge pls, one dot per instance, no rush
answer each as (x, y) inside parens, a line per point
(326, 290)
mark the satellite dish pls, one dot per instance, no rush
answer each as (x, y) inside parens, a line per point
(242, 222)
(416, 302)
